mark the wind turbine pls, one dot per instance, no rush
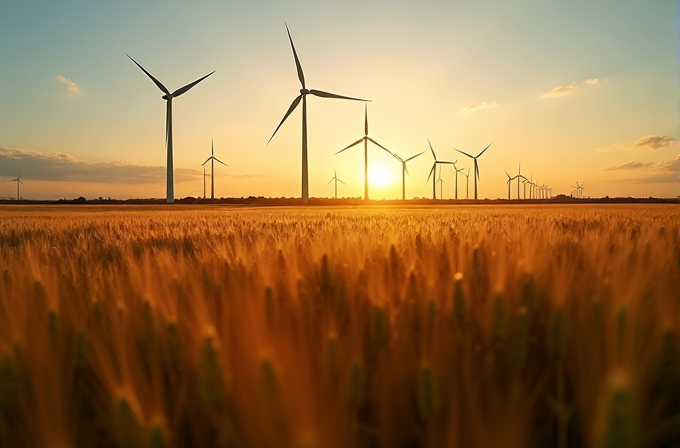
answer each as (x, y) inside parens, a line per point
(432, 171)
(212, 160)
(203, 181)
(335, 178)
(474, 158)
(365, 139)
(457, 171)
(519, 176)
(170, 187)
(440, 181)
(510, 179)
(303, 96)
(404, 172)
(18, 181)
(467, 183)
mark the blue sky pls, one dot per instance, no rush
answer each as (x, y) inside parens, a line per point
(79, 118)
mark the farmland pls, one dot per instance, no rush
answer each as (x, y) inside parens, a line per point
(333, 327)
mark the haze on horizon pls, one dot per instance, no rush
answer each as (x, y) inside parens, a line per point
(577, 92)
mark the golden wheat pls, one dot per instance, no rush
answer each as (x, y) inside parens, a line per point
(324, 327)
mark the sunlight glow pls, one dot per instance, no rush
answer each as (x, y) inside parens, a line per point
(379, 177)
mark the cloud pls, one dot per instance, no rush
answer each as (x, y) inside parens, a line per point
(630, 166)
(569, 89)
(64, 168)
(72, 88)
(659, 173)
(653, 142)
(560, 91)
(474, 107)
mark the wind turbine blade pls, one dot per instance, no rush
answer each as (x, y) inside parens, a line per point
(379, 145)
(20, 182)
(397, 157)
(186, 88)
(353, 144)
(341, 182)
(431, 149)
(206, 160)
(366, 119)
(157, 82)
(292, 107)
(335, 174)
(434, 165)
(478, 155)
(218, 160)
(476, 170)
(464, 153)
(332, 179)
(413, 157)
(323, 94)
(301, 76)
(506, 173)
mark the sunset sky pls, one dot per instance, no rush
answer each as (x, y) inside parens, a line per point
(577, 91)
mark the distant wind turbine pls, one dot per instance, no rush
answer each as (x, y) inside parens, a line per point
(365, 139)
(203, 181)
(433, 173)
(457, 171)
(335, 178)
(509, 181)
(467, 183)
(18, 181)
(440, 181)
(303, 96)
(170, 187)
(404, 172)
(212, 159)
(474, 158)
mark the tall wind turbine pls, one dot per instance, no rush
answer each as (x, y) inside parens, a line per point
(303, 96)
(365, 139)
(404, 172)
(474, 158)
(433, 173)
(170, 187)
(335, 178)
(519, 178)
(212, 160)
(18, 181)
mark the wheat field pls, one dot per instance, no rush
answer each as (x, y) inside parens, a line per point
(329, 327)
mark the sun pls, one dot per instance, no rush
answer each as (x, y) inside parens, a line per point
(379, 177)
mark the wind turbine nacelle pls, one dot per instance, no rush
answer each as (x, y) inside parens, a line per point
(304, 91)
(165, 97)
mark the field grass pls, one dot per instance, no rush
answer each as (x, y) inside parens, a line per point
(329, 327)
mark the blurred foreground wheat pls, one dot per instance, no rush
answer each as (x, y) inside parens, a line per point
(460, 327)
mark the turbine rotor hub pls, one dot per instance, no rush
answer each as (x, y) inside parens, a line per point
(166, 97)
(304, 91)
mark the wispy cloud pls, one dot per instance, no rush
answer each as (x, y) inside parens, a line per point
(653, 142)
(63, 167)
(475, 107)
(72, 88)
(656, 173)
(630, 166)
(648, 143)
(560, 91)
(570, 88)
